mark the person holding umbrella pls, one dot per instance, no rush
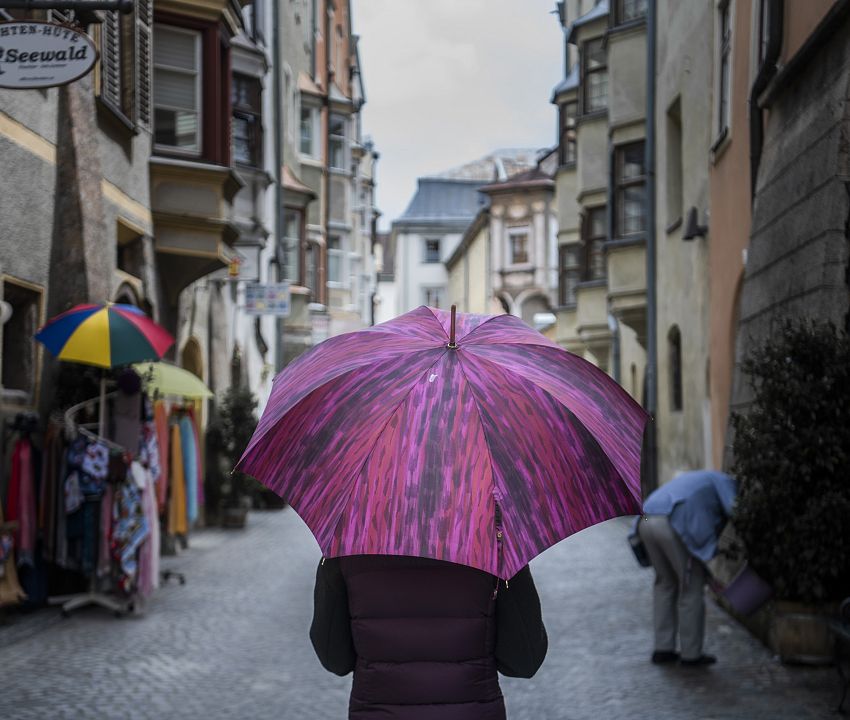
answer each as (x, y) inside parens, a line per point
(433, 457)
(680, 528)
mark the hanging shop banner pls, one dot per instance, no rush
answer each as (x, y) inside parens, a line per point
(37, 54)
(267, 299)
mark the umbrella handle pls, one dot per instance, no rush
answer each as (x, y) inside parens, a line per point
(452, 344)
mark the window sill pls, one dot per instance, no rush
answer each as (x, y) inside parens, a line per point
(720, 144)
(116, 117)
(591, 116)
(673, 226)
(523, 267)
(598, 282)
(638, 239)
(310, 160)
(626, 26)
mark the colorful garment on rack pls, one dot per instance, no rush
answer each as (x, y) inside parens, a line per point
(193, 416)
(190, 467)
(51, 485)
(21, 501)
(104, 557)
(11, 592)
(149, 553)
(129, 530)
(177, 524)
(160, 416)
(96, 461)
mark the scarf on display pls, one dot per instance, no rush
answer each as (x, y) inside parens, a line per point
(177, 524)
(194, 419)
(190, 467)
(161, 426)
(129, 527)
(21, 501)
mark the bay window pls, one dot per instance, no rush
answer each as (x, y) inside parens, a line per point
(630, 183)
(338, 143)
(595, 76)
(177, 89)
(247, 126)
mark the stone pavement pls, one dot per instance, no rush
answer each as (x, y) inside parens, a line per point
(232, 643)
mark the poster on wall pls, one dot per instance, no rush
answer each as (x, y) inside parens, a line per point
(263, 299)
(35, 54)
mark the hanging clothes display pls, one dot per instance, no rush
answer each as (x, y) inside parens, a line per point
(20, 503)
(149, 553)
(129, 527)
(11, 592)
(161, 425)
(193, 416)
(190, 467)
(177, 523)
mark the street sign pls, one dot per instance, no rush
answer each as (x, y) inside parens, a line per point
(35, 54)
(267, 299)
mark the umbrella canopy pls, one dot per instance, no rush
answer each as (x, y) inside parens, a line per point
(484, 451)
(168, 379)
(104, 335)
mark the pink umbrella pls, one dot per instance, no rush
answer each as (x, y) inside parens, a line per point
(483, 446)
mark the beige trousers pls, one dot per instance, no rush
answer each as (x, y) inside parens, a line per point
(678, 600)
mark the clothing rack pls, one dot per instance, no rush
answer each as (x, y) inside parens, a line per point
(91, 596)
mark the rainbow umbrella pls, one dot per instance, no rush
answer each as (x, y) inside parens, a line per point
(106, 336)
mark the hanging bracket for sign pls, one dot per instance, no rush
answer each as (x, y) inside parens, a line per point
(124, 6)
(35, 54)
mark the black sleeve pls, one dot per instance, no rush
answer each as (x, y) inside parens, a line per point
(330, 632)
(521, 641)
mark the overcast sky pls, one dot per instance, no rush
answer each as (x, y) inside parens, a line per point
(447, 81)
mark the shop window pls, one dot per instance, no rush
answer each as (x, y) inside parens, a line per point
(20, 351)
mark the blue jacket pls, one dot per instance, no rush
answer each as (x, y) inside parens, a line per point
(698, 503)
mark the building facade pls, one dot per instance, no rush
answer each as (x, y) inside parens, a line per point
(600, 187)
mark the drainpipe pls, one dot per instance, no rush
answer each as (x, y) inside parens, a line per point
(279, 115)
(650, 447)
(323, 264)
(775, 10)
(614, 327)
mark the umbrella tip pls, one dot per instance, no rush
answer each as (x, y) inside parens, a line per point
(452, 344)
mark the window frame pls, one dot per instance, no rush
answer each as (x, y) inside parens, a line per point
(246, 112)
(291, 245)
(587, 73)
(568, 271)
(313, 111)
(621, 185)
(517, 231)
(340, 255)
(724, 61)
(568, 126)
(427, 258)
(199, 36)
(619, 13)
(441, 296)
(342, 140)
(593, 245)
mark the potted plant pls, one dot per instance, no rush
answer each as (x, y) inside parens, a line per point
(228, 436)
(792, 457)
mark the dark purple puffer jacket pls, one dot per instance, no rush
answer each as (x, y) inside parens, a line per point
(425, 638)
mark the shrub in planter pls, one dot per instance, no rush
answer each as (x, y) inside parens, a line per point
(227, 437)
(792, 457)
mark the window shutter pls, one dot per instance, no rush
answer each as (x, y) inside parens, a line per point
(144, 26)
(110, 60)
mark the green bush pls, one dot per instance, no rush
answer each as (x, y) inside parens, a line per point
(228, 434)
(792, 456)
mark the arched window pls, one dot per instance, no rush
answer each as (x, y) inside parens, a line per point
(674, 362)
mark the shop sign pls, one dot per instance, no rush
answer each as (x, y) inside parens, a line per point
(37, 54)
(267, 299)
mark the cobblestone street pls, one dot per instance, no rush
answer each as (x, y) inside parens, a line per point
(232, 643)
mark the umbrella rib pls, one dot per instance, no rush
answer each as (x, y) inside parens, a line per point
(574, 417)
(483, 432)
(369, 454)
